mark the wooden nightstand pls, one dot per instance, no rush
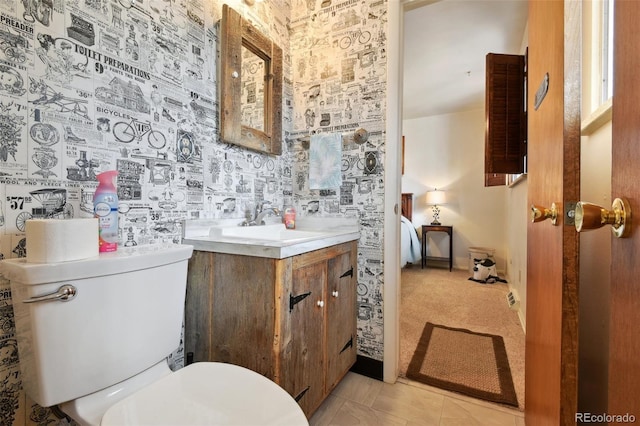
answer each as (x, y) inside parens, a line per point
(437, 228)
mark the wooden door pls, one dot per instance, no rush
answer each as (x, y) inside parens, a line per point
(624, 331)
(340, 321)
(554, 177)
(303, 360)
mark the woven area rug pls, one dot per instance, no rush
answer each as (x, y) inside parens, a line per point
(462, 361)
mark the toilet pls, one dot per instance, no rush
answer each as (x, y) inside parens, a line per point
(94, 336)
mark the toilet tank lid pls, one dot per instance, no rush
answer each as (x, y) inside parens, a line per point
(126, 259)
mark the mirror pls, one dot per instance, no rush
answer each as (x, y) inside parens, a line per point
(252, 98)
(251, 86)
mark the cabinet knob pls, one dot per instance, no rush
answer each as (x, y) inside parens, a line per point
(320, 303)
(334, 293)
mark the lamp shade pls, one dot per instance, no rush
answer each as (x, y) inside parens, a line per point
(436, 198)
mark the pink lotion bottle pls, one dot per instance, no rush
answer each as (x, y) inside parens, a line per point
(105, 208)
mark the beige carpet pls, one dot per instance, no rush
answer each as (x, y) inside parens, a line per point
(441, 297)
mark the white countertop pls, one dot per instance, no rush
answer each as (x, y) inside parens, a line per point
(331, 231)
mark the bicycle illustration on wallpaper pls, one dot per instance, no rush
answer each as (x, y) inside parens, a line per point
(126, 132)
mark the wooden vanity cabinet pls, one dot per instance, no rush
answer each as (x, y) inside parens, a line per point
(292, 320)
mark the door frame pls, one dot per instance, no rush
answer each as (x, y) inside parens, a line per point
(391, 292)
(624, 337)
(393, 185)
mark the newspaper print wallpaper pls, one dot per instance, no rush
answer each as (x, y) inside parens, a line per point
(94, 85)
(339, 86)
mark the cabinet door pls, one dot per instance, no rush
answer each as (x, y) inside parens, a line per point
(341, 317)
(303, 375)
(242, 314)
(229, 313)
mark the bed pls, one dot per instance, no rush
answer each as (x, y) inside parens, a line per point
(410, 251)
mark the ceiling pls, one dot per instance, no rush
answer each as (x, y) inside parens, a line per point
(445, 45)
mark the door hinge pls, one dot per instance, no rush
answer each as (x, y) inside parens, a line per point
(349, 273)
(301, 394)
(294, 300)
(348, 345)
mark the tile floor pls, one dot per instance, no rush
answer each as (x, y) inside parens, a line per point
(360, 400)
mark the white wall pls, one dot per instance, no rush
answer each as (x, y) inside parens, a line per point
(517, 218)
(447, 152)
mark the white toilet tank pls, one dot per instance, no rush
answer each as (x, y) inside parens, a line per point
(125, 317)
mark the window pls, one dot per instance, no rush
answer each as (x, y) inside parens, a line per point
(597, 82)
(607, 50)
(506, 119)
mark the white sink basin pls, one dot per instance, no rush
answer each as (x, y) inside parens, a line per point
(276, 232)
(269, 241)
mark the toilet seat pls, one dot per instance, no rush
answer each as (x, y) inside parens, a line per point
(208, 393)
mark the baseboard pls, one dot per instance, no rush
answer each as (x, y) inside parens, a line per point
(368, 367)
(523, 320)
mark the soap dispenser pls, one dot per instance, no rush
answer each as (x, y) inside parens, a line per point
(105, 208)
(289, 217)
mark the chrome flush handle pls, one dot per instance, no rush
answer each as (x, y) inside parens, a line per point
(64, 294)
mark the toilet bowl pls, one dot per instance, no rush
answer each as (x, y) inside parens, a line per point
(208, 393)
(94, 335)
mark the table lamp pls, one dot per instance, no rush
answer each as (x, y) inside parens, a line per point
(435, 199)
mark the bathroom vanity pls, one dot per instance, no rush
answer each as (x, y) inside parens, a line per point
(284, 307)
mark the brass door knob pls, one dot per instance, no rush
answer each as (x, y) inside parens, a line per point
(539, 213)
(592, 216)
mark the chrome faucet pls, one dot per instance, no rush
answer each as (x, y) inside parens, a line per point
(259, 215)
(266, 212)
